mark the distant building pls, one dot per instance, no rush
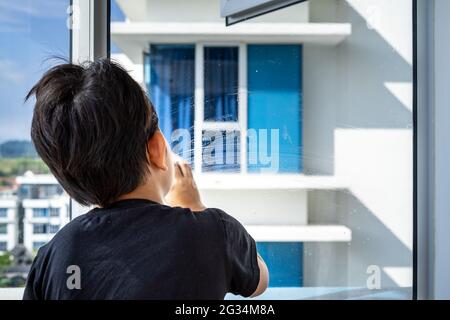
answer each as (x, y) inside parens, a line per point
(8, 223)
(45, 209)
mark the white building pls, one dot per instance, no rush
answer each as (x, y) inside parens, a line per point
(349, 201)
(8, 223)
(45, 207)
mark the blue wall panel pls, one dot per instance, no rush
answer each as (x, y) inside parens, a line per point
(275, 102)
(284, 261)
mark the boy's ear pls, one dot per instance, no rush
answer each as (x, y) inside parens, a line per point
(157, 150)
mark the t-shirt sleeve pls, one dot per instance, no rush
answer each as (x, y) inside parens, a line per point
(241, 255)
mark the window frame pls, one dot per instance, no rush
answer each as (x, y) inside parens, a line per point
(419, 215)
(89, 40)
(235, 11)
(432, 176)
(428, 214)
(199, 121)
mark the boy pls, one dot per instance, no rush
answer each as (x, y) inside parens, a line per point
(150, 236)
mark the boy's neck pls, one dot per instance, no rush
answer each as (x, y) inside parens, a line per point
(145, 191)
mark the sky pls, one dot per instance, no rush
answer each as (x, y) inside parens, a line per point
(31, 34)
(116, 12)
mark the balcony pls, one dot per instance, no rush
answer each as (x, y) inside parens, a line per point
(142, 33)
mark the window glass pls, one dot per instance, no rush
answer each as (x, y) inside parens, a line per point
(221, 83)
(39, 228)
(33, 36)
(171, 82)
(40, 212)
(44, 228)
(54, 212)
(221, 150)
(312, 106)
(275, 107)
(53, 228)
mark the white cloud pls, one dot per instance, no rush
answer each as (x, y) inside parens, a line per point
(14, 15)
(9, 71)
(8, 22)
(42, 8)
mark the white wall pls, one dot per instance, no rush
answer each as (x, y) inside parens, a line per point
(358, 124)
(200, 11)
(256, 207)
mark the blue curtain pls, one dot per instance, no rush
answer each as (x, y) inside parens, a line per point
(170, 79)
(171, 86)
(221, 83)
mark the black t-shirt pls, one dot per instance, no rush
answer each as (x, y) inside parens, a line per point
(139, 249)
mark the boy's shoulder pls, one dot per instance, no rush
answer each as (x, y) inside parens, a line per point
(91, 225)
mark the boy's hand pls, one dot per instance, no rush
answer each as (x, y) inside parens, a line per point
(184, 192)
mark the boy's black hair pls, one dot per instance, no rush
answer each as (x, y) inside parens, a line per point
(91, 124)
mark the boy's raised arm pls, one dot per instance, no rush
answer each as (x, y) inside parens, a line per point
(263, 277)
(184, 193)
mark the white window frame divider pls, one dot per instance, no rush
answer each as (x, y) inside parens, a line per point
(200, 124)
(89, 41)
